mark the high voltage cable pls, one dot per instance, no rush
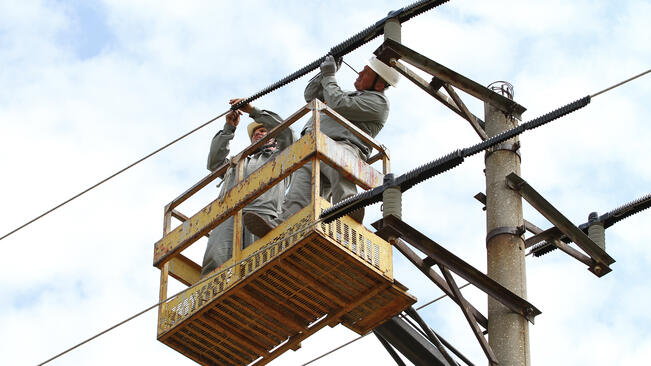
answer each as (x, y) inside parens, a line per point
(621, 83)
(114, 174)
(343, 48)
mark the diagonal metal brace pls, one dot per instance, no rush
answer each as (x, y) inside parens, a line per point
(492, 359)
(601, 258)
(393, 226)
(432, 88)
(453, 78)
(431, 336)
(402, 247)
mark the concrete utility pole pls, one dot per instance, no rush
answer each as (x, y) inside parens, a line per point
(508, 332)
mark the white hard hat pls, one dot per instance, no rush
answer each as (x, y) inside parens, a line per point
(387, 73)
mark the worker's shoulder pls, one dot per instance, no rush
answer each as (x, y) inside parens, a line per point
(378, 97)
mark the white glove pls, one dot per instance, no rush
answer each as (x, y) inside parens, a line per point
(328, 66)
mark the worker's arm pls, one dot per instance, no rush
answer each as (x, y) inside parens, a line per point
(357, 107)
(219, 147)
(270, 120)
(314, 90)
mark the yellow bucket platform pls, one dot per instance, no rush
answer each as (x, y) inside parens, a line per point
(301, 278)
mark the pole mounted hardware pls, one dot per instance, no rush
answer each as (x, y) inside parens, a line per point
(550, 239)
(600, 260)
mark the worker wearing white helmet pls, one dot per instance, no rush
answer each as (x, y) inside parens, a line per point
(367, 108)
(268, 204)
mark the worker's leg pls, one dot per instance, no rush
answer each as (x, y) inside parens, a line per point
(300, 192)
(342, 187)
(249, 237)
(298, 196)
(219, 248)
(220, 244)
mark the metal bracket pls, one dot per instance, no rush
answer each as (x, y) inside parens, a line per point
(506, 146)
(451, 77)
(517, 230)
(436, 83)
(601, 259)
(457, 265)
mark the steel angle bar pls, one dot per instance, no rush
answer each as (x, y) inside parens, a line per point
(608, 219)
(466, 313)
(538, 233)
(601, 258)
(561, 245)
(435, 277)
(443, 341)
(453, 78)
(476, 123)
(390, 349)
(457, 265)
(431, 335)
(469, 116)
(544, 236)
(410, 343)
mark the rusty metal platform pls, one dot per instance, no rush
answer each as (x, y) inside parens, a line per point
(291, 283)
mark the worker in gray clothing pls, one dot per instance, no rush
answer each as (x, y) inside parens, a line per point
(267, 205)
(366, 108)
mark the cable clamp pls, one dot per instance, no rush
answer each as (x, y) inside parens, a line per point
(506, 146)
(513, 230)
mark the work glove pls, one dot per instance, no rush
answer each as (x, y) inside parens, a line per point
(338, 61)
(328, 66)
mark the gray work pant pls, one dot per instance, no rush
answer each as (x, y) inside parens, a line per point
(333, 184)
(220, 244)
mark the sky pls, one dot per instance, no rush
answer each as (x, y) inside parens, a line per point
(89, 87)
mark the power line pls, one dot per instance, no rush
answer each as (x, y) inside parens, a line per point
(114, 175)
(621, 83)
(203, 280)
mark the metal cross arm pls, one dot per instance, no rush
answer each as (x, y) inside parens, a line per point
(481, 197)
(601, 259)
(393, 226)
(453, 104)
(453, 78)
(551, 237)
